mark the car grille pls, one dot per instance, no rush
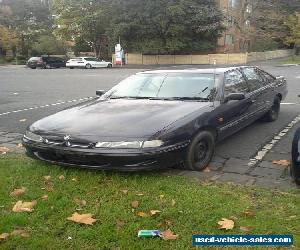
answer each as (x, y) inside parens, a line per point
(56, 141)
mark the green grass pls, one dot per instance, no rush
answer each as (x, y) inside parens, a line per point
(198, 208)
(291, 60)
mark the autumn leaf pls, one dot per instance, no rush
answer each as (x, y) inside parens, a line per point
(21, 206)
(45, 197)
(165, 223)
(173, 203)
(142, 214)
(124, 191)
(168, 235)
(139, 194)
(161, 196)
(4, 236)
(246, 229)
(154, 212)
(226, 224)
(79, 202)
(4, 150)
(248, 213)
(47, 178)
(206, 170)
(74, 179)
(82, 218)
(284, 163)
(19, 145)
(62, 178)
(18, 192)
(19, 232)
(135, 204)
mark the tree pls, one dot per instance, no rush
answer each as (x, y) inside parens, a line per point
(47, 45)
(164, 26)
(293, 25)
(8, 40)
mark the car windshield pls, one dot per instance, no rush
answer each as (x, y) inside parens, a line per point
(176, 86)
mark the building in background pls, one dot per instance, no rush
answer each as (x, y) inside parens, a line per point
(238, 36)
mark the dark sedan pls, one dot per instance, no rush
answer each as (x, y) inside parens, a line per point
(46, 62)
(295, 168)
(158, 119)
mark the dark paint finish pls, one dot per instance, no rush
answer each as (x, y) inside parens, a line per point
(172, 121)
(295, 169)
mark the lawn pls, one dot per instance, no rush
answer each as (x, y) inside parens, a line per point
(291, 60)
(187, 207)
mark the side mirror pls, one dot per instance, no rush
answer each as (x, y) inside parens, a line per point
(235, 97)
(100, 92)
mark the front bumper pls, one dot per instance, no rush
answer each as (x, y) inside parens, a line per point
(108, 159)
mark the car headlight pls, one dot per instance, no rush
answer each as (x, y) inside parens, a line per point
(132, 144)
(33, 137)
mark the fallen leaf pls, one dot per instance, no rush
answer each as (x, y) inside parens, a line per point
(154, 212)
(139, 194)
(142, 214)
(165, 223)
(293, 216)
(45, 197)
(226, 224)
(23, 120)
(4, 150)
(79, 202)
(18, 192)
(120, 224)
(173, 203)
(161, 196)
(82, 218)
(135, 204)
(74, 179)
(4, 236)
(246, 229)
(19, 232)
(62, 178)
(19, 145)
(248, 213)
(21, 206)
(168, 235)
(47, 178)
(284, 163)
(124, 191)
(233, 218)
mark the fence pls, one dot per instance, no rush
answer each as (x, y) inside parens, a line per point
(221, 59)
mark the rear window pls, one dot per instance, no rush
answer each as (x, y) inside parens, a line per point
(32, 59)
(76, 59)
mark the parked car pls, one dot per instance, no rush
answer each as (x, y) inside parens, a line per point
(46, 62)
(158, 119)
(88, 63)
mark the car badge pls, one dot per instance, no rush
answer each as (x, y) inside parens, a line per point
(67, 137)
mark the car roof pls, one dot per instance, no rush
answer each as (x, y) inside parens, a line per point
(193, 70)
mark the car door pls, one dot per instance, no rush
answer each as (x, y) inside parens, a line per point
(258, 91)
(102, 63)
(233, 115)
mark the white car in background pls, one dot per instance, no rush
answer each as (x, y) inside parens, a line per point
(87, 62)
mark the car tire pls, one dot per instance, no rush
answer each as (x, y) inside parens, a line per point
(109, 65)
(88, 66)
(200, 151)
(47, 66)
(273, 113)
(33, 67)
(71, 67)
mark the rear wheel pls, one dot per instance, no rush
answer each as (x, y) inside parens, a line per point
(200, 151)
(71, 67)
(109, 66)
(273, 113)
(88, 66)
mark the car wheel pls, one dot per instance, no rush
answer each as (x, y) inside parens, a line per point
(200, 151)
(71, 67)
(33, 67)
(273, 113)
(88, 66)
(47, 66)
(109, 66)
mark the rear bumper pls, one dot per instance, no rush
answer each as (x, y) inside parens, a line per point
(120, 160)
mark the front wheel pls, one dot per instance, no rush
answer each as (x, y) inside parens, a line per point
(273, 113)
(88, 66)
(109, 66)
(200, 151)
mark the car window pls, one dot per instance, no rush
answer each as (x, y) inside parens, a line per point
(254, 79)
(91, 59)
(235, 83)
(32, 59)
(267, 77)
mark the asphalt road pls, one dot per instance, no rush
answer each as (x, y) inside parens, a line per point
(27, 95)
